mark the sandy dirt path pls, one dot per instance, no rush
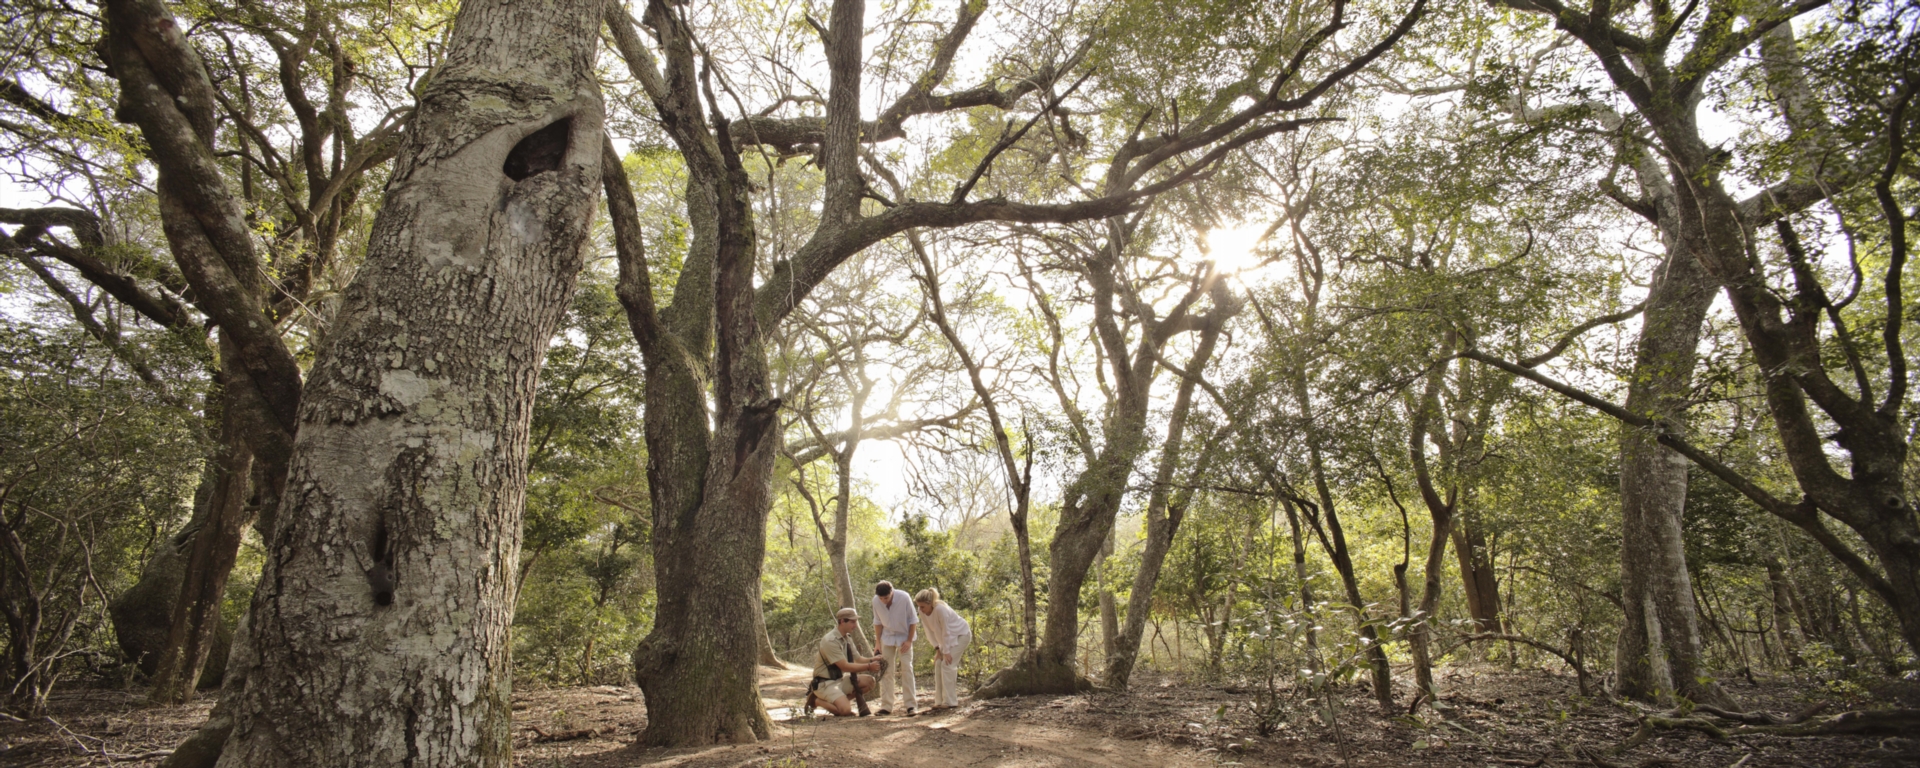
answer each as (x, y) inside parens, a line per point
(949, 739)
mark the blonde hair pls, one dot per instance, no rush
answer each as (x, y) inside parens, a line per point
(928, 596)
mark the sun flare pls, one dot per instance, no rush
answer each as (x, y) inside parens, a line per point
(1234, 249)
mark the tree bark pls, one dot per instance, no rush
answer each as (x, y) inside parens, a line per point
(1478, 582)
(1441, 510)
(381, 623)
(196, 609)
(1653, 489)
(1109, 608)
(1784, 332)
(166, 91)
(1791, 639)
(1333, 539)
(711, 489)
(1092, 499)
(1165, 509)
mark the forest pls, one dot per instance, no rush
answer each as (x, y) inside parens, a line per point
(1290, 382)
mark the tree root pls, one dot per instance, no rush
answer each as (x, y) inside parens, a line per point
(203, 748)
(1031, 675)
(1687, 723)
(1763, 718)
(1893, 722)
(1802, 723)
(1859, 722)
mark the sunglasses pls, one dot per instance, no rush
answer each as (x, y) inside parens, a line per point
(846, 621)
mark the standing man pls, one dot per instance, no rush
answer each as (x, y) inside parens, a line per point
(894, 621)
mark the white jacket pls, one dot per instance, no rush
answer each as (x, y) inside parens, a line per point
(945, 627)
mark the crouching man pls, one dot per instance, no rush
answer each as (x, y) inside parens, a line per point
(838, 685)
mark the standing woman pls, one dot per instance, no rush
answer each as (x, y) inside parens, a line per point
(951, 636)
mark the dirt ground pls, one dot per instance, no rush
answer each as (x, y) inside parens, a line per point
(1490, 716)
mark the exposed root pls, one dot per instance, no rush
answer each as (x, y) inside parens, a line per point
(1032, 675)
(1688, 723)
(1892, 722)
(1863, 722)
(1763, 718)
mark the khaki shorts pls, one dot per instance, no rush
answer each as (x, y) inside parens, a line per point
(835, 690)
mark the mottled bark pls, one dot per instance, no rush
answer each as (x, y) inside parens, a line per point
(1653, 487)
(165, 89)
(196, 615)
(710, 487)
(381, 621)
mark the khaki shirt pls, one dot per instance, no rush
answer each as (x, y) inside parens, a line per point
(834, 647)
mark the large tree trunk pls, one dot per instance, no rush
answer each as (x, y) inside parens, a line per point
(709, 530)
(711, 490)
(1087, 518)
(381, 623)
(710, 485)
(1656, 590)
(165, 89)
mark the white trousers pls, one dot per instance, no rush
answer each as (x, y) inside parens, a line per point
(899, 673)
(946, 674)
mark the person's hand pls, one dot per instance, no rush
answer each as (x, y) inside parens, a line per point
(906, 647)
(946, 658)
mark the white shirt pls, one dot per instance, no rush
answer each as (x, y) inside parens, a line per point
(894, 620)
(945, 627)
